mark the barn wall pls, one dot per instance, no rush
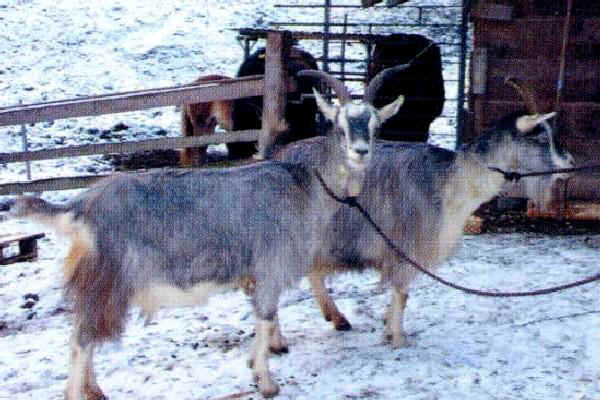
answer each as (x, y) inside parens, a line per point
(523, 39)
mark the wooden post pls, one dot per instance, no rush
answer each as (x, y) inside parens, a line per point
(275, 91)
(198, 154)
(480, 70)
(462, 72)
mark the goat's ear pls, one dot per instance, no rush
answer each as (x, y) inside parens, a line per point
(526, 123)
(388, 111)
(328, 110)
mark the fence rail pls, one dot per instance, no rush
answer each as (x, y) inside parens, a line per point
(117, 103)
(132, 101)
(130, 147)
(42, 185)
(77, 182)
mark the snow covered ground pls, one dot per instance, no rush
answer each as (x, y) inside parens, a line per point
(461, 347)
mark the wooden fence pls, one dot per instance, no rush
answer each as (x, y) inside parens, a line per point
(117, 103)
(273, 86)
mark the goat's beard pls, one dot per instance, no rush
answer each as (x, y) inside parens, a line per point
(355, 181)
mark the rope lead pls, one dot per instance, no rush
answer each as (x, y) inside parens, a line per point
(353, 202)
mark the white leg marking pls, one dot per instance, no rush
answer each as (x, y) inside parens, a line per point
(395, 318)
(264, 331)
(91, 388)
(78, 373)
(278, 342)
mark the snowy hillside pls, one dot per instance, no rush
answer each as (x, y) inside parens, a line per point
(461, 347)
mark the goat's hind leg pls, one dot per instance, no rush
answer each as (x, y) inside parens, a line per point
(259, 357)
(81, 384)
(328, 308)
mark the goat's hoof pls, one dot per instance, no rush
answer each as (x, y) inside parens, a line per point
(88, 394)
(266, 386)
(342, 325)
(97, 396)
(279, 345)
(398, 342)
(268, 389)
(279, 349)
(94, 393)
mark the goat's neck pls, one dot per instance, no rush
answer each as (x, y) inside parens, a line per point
(472, 183)
(336, 174)
(324, 176)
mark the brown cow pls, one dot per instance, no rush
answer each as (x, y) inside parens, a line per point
(201, 119)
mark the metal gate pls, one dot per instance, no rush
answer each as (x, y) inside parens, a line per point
(338, 28)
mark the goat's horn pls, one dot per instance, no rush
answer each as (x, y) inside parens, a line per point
(378, 80)
(526, 93)
(341, 91)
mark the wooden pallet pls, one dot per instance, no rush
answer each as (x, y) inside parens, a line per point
(28, 248)
(573, 210)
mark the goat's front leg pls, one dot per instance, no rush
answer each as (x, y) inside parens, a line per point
(81, 384)
(328, 308)
(394, 318)
(259, 358)
(278, 343)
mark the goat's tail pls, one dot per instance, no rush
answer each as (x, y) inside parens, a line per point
(30, 207)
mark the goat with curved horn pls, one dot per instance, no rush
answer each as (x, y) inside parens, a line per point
(422, 196)
(246, 228)
(378, 81)
(341, 91)
(526, 123)
(352, 117)
(525, 92)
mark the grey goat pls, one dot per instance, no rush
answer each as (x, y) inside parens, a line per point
(172, 238)
(422, 196)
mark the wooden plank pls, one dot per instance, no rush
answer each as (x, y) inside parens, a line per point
(68, 183)
(479, 71)
(538, 37)
(388, 3)
(43, 185)
(11, 238)
(582, 78)
(575, 210)
(494, 11)
(577, 90)
(534, 69)
(275, 95)
(131, 147)
(559, 7)
(577, 116)
(333, 36)
(132, 101)
(28, 248)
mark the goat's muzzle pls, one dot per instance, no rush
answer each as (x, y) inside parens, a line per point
(359, 155)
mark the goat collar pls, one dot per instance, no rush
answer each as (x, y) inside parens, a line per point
(349, 200)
